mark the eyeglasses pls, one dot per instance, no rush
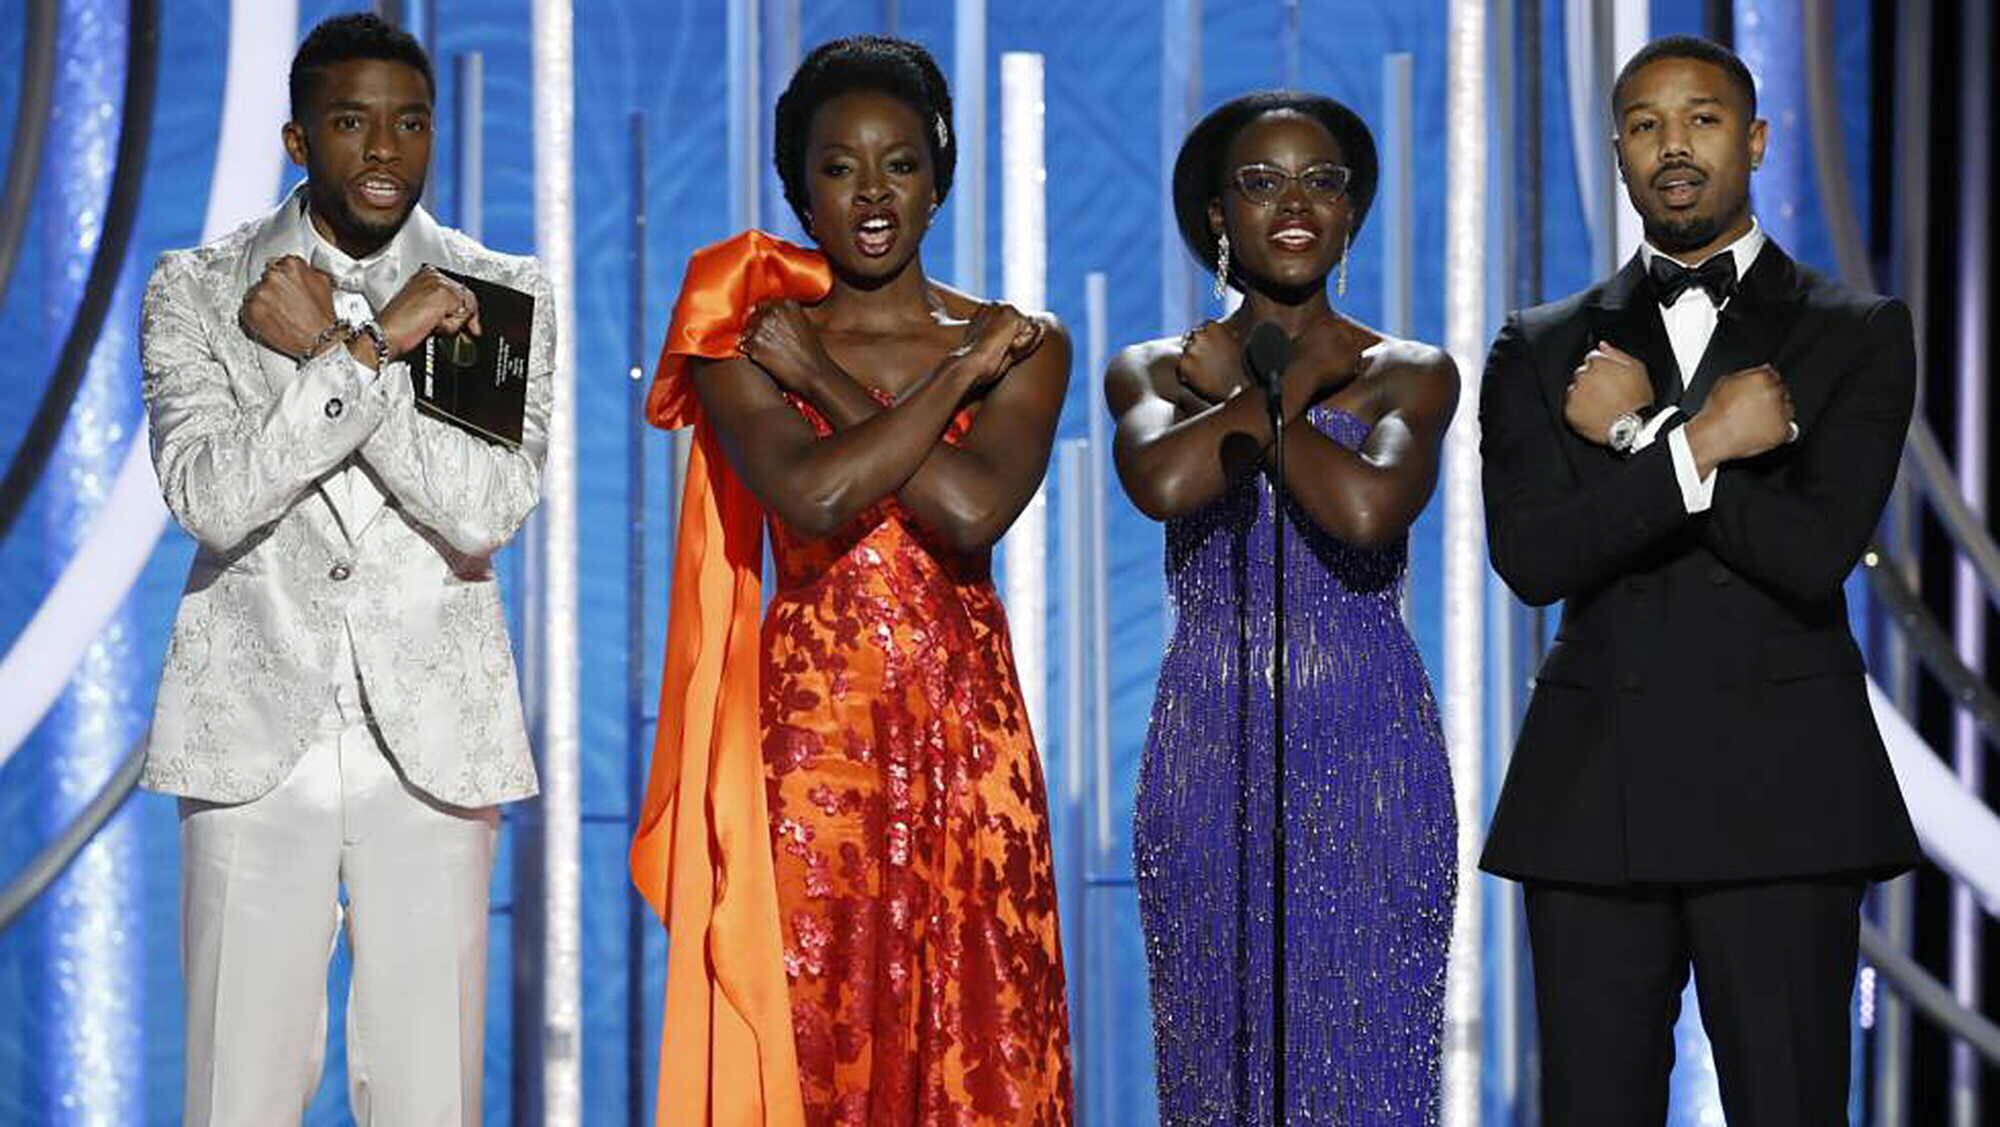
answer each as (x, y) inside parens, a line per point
(1262, 184)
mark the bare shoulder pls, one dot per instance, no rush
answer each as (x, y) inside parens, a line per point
(1147, 360)
(1409, 374)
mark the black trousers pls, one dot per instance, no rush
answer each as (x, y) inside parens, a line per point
(1773, 968)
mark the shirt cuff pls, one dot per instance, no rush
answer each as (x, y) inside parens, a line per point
(1697, 492)
(362, 372)
(1653, 427)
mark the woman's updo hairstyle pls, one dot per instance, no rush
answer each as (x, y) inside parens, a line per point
(896, 67)
(1199, 173)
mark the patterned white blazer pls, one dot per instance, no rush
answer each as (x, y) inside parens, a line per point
(293, 553)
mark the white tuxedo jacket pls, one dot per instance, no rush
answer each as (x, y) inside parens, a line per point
(300, 566)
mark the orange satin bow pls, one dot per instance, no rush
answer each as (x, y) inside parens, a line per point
(702, 855)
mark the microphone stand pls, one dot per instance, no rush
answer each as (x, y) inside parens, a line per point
(1266, 354)
(1273, 398)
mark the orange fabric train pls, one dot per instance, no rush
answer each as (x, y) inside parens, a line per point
(702, 855)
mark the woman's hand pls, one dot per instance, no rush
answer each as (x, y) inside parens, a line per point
(780, 339)
(998, 337)
(1210, 365)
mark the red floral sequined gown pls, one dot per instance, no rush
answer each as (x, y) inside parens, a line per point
(910, 831)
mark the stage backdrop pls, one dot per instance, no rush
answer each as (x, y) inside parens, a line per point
(89, 988)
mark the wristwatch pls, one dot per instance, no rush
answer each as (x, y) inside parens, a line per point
(1623, 434)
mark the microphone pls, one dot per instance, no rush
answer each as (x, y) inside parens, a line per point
(1265, 354)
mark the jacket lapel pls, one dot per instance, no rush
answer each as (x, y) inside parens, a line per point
(1751, 327)
(276, 238)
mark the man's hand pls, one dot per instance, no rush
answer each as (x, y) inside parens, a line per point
(1609, 383)
(1211, 362)
(427, 303)
(779, 338)
(289, 307)
(1747, 413)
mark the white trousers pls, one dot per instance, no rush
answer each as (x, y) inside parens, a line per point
(260, 908)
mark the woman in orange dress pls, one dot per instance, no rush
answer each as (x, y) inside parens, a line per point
(890, 429)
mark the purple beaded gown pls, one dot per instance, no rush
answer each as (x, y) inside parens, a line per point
(1371, 830)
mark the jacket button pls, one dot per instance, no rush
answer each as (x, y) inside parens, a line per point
(339, 572)
(1630, 682)
(1718, 575)
(1636, 586)
(334, 407)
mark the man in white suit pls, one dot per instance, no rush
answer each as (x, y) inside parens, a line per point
(339, 705)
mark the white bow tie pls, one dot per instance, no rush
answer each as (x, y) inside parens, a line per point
(375, 282)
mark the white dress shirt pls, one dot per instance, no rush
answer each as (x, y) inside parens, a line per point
(356, 286)
(1690, 323)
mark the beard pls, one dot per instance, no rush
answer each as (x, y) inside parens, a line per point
(1675, 234)
(331, 204)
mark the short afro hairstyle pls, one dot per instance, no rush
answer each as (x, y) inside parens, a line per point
(356, 35)
(1199, 174)
(1687, 47)
(880, 63)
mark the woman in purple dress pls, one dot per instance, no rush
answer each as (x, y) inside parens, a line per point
(1270, 190)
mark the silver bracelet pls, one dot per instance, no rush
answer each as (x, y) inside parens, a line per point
(325, 337)
(375, 336)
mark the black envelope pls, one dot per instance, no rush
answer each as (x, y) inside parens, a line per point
(479, 382)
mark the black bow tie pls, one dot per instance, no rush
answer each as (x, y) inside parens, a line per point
(1717, 276)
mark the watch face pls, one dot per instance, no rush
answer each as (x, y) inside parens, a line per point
(1624, 429)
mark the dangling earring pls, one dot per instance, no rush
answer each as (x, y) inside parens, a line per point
(1346, 241)
(1221, 265)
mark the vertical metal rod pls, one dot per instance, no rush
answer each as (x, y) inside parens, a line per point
(779, 57)
(1896, 901)
(1094, 837)
(1395, 200)
(1024, 284)
(1291, 44)
(1180, 102)
(1097, 316)
(1718, 21)
(1072, 467)
(1466, 139)
(638, 918)
(559, 1047)
(1975, 171)
(746, 154)
(1630, 27)
(469, 144)
(968, 90)
(1520, 1058)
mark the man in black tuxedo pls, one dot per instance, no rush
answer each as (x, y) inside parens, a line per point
(1693, 455)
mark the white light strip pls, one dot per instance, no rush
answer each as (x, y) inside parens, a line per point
(556, 596)
(1975, 171)
(1397, 195)
(1959, 832)
(746, 154)
(968, 86)
(249, 166)
(1180, 102)
(1097, 320)
(1024, 274)
(1631, 24)
(1466, 135)
(1590, 124)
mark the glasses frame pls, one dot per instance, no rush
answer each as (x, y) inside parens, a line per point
(1287, 179)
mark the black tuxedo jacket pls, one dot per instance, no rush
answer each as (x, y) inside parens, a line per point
(1702, 715)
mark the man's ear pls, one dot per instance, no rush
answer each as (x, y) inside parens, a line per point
(296, 146)
(1760, 135)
